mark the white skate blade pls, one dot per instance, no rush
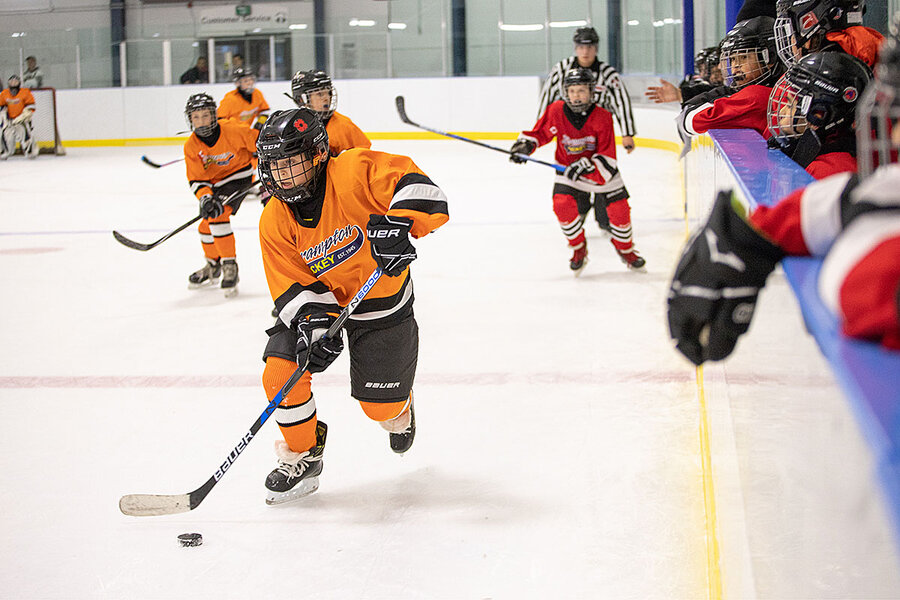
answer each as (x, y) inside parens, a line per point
(578, 271)
(304, 488)
(205, 284)
(231, 292)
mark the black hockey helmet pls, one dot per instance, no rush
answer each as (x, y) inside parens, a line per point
(749, 53)
(242, 72)
(305, 83)
(14, 87)
(201, 102)
(579, 76)
(878, 116)
(586, 36)
(799, 21)
(822, 89)
(293, 154)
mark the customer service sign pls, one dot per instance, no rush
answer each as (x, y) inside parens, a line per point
(241, 19)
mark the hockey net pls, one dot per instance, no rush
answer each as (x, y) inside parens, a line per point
(46, 130)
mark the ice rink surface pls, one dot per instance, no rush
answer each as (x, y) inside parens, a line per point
(557, 453)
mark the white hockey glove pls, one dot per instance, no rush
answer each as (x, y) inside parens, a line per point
(580, 167)
(25, 116)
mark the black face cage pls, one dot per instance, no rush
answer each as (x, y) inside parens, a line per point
(206, 130)
(876, 117)
(593, 98)
(735, 60)
(309, 170)
(302, 101)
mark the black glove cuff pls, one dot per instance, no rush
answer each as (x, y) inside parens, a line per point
(735, 228)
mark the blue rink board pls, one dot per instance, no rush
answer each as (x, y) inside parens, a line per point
(868, 374)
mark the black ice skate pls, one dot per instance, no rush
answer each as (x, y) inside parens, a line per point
(297, 473)
(631, 258)
(402, 430)
(208, 274)
(579, 259)
(230, 277)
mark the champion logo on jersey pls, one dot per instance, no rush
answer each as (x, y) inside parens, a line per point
(587, 143)
(219, 159)
(333, 250)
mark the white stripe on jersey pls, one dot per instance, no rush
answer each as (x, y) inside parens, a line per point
(820, 212)
(419, 191)
(290, 309)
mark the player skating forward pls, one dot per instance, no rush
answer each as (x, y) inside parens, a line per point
(218, 157)
(585, 144)
(314, 90)
(333, 222)
(245, 104)
(16, 108)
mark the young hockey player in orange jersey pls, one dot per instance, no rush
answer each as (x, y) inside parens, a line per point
(245, 104)
(333, 222)
(16, 108)
(218, 158)
(585, 144)
(314, 90)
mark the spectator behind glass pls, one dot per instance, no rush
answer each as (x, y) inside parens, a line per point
(237, 62)
(33, 77)
(199, 73)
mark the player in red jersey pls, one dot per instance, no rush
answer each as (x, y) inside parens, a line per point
(751, 68)
(806, 26)
(812, 111)
(853, 220)
(585, 144)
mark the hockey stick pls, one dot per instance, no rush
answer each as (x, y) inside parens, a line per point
(144, 247)
(150, 505)
(158, 165)
(401, 110)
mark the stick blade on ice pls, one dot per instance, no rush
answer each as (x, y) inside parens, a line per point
(152, 505)
(130, 243)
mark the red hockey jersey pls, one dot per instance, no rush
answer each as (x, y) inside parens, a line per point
(744, 109)
(594, 140)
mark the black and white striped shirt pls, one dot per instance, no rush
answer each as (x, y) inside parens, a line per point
(613, 95)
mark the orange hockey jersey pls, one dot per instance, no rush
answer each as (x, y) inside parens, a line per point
(327, 264)
(233, 106)
(229, 159)
(16, 104)
(343, 134)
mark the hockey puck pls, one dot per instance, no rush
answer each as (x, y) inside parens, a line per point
(190, 539)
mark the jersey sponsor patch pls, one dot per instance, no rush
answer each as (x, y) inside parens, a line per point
(220, 159)
(333, 250)
(579, 145)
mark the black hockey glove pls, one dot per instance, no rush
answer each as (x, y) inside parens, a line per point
(580, 167)
(314, 350)
(521, 146)
(211, 207)
(389, 240)
(714, 289)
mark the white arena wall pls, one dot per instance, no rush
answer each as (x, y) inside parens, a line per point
(493, 107)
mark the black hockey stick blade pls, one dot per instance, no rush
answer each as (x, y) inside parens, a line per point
(158, 165)
(152, 505)
(401, 110)
(144, 247)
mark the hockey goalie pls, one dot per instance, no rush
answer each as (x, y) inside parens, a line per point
(16, 108)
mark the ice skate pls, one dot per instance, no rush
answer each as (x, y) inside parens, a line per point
(631, 258)
(230, 277)
(402, 430)
(207, 275)
(297, 473)
(579, 259)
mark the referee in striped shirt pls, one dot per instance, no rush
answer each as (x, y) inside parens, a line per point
(611, 89)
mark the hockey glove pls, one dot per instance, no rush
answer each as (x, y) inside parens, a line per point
(25, 116)
(580, 167)
(521, 146)
(313, 349)
(211, 207)
(389, 241)
(714, 289)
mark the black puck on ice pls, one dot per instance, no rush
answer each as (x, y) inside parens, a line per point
(190, 539)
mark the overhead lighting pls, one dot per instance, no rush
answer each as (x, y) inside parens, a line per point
(362, 23)
(298, 26)
(531, 27)
(195, 44)
(155, 35)
(257, 29)
(568, 23)
(634, 22)
(396, 25)
(658, 23)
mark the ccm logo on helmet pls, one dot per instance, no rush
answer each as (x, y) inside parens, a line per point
(384, 233)
(270, 146)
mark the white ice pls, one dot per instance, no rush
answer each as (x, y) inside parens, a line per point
(557, 454)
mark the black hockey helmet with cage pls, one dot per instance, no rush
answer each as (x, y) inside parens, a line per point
(750, 40)
(823, 89)
(293, 154)
(242, 72)
(586, 36)
(14, 87)
(880, 109)
(800, 21)
(306, 82)
(580, 76)
(201, 102)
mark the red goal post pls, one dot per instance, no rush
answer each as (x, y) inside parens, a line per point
(44, 121)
